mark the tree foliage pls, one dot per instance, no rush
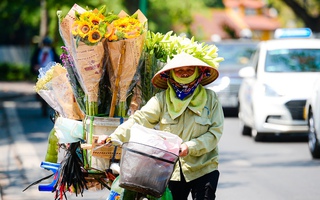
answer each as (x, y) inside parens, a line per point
(307, 11)
(214, 3)
(21, 19)
(166, 15)
(24, 16)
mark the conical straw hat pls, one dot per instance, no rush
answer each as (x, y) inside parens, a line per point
(184, 60)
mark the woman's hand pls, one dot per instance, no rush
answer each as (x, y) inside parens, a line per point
(103, 139)
(183, 150)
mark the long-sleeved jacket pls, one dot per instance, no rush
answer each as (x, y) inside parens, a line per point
(201, 132)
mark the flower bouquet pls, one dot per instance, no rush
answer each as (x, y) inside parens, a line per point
(53, 86)
(125, 46)
(83, 34)
(100, 57)
(106, 57)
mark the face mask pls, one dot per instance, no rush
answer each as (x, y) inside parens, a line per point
(185, 80)
(184, 90)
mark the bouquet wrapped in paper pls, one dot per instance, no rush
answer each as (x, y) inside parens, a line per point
(125, 46)
(84, 33)
(104, 44)
(53, 86)
(101, 54)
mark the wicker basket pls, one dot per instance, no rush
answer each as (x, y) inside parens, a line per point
(145, 169)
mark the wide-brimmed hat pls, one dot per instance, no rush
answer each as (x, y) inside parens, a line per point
(184, 60)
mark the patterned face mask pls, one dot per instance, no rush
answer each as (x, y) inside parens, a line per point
(183, 89)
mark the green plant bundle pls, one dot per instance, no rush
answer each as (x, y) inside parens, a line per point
(165, 46)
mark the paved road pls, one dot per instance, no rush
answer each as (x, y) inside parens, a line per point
(276, 170)
(20, 166)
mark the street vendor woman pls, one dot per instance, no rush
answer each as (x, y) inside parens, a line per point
(192, 112)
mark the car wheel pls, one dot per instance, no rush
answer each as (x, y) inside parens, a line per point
(313, 141)
(258, 137)
(246, 130)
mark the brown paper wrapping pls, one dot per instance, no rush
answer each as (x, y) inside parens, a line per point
(128, 61)
(89, 64)
(64, 94)
(66, 24)
(88, 59)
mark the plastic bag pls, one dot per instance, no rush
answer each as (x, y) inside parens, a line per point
(68, 130)
(160, 139)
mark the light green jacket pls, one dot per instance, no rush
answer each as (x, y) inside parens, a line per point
(201, 132)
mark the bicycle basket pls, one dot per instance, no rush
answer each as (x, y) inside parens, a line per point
(145, 169)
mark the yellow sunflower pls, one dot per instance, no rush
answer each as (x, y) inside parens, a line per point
(132, 33)
(84, 28)
(74, 28)
(134, 22)
(85, 16)
(121, 24)
(94, 36)
(127, 27)
(95, 20)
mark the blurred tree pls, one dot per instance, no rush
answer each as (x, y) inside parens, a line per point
(19, 19)
(214, 3)
(23, 19)
(131, 5)
(307, 11)
(166, 15)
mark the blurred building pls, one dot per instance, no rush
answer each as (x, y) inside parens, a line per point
(239, 19)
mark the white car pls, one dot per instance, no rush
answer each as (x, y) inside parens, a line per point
(312, 114)
(274, 90)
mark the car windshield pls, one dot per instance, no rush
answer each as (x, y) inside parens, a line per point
(235, 54)
(293, 60)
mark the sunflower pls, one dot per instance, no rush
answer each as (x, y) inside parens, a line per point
(126, 27)
(94, 36)
(95, 20)
(74, 28)
(134, 22)
(83, 28)
(85, 16)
